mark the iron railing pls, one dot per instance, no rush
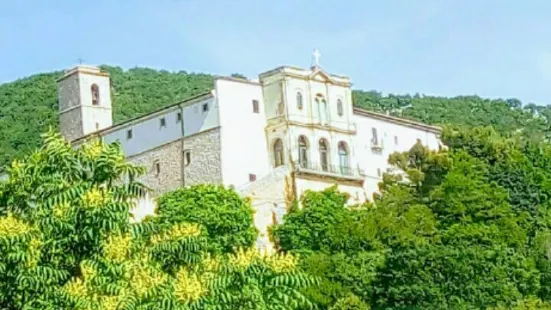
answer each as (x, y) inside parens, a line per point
(329, 169)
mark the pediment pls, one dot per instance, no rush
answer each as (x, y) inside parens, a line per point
(320, 75)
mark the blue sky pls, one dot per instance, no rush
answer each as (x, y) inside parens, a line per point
(486, 47)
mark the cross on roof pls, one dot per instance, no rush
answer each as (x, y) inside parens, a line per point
(316, 56)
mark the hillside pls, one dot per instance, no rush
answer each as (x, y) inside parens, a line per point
(28, 106)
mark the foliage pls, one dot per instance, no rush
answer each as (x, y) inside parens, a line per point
(460, 228)
(67, 242)
(228, 218)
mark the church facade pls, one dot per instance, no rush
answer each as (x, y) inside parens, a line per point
(292, 130)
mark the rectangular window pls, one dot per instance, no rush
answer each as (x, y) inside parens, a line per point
(256, 106)
(378, 172)
(205, 107)
(187, 157)
(97, 126)
(157, 166)
(162, 122)
(178, 117)
(129, 134)
(252, 177)
(374, 137)
(396, 140)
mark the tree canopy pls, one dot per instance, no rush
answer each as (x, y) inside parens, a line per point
(67, 242)
(460, 228)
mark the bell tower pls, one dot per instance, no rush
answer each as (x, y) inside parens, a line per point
(84, 101)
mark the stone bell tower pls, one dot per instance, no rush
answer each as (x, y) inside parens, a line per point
(84, 101)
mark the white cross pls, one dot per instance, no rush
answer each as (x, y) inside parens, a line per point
(317, 56)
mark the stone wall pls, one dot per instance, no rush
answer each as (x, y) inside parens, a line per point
(70, 124)
(169, 157)
(204, 165)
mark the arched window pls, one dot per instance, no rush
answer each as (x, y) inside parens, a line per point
(339, 107)
(325, 111)
(343, 158)
(303, 151)
(299, 100)
(321, 105)
(95, 94)
(324, 155)
(278, 152)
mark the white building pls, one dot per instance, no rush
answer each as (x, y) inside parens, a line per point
(293, 130)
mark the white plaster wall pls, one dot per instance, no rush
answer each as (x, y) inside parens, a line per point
(357, 193)
(374, 162)
(147, 133)
(309, 113)
(100, 114)
(243, 140)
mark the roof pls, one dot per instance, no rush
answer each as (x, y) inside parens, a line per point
(398, 120)
(282, 68)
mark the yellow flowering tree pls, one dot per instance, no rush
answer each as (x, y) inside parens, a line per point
(66, 242)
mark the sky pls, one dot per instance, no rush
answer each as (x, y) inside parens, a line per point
(490, 48)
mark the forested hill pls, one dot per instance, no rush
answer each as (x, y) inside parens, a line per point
(28, 106)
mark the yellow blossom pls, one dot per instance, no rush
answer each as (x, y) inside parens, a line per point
(116, 248)
(94, 198)
(243, 258)
(143, 277)
(88, 271)
(93, 149)
(109, 303)
(12, 227)
(282, 262)
(178, 232)
(188, 287)
(60, 210)
(76, 288)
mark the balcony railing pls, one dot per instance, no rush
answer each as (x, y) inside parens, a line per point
(330, 170)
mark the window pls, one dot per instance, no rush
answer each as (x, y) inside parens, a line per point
(280, 108)
(396, 140)
(378, 172)
(252, 177)
(95, 94)
(343, 158)
(187, 157)
(374, 137)
(303, 152)
(205, 107)
(129, 134)
(157, 166)
(256, 106)
(324, 156)
(278, 152)
(299, 100)
(339, 107)
(97, 126)
(178, 117)
(321, 105)
(162, 122)
(325, 111)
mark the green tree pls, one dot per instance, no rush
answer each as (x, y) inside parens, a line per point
(228, 218)
(66, 242)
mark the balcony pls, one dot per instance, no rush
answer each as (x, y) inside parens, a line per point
(338, 173)
(377, 145)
